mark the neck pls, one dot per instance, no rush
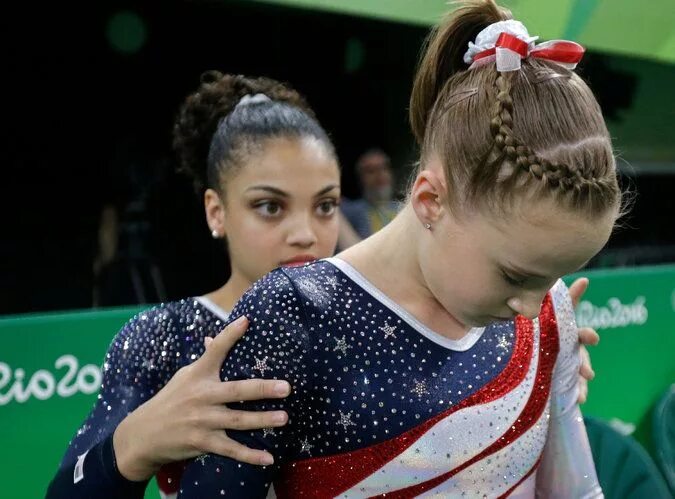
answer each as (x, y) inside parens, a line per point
(227, 295)
(391, 248)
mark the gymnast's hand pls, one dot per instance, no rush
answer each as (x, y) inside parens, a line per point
(187, 417)
(587, 336)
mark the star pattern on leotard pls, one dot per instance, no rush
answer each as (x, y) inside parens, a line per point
(420, 388)
(341, 345)
(305, 446)
(503, 343)
(346, 420)
(388, 330)
(332, 281)
(261, 365)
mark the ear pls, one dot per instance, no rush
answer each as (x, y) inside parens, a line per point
(215, 212)
(428, 195)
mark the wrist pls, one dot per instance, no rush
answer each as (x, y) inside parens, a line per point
(133, 463)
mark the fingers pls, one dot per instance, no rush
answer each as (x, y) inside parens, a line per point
(588, 336)
(585, 370)
(225, 446)
(223, 418)
(220, 346)
(583, 391)
(577, 289)
(251, 389)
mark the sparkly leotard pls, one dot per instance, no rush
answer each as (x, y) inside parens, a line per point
(381, 404)
(141, 359)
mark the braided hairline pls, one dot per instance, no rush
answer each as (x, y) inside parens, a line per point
(507, 146)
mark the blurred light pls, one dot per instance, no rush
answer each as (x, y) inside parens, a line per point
(354, 55)
(126, 32)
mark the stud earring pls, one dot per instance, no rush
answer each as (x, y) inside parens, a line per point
(214, 234)
(427, 226)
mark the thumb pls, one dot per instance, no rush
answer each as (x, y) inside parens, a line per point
(577, 290)
(220, 346)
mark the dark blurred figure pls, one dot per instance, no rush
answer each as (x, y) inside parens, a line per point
(377, 206)
(125, 268)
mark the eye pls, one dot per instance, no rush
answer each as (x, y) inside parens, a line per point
(268, 209)
(326, 207)
(513, 281)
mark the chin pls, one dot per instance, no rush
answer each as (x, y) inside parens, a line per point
(479, 321)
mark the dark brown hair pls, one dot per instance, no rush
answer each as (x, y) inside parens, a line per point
(213, 136)
(536, 132)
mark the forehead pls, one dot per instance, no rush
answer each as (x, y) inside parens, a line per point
(288, 161)
(544, 239)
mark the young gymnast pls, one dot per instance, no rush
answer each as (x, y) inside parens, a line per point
(439, 357)
(271, 183)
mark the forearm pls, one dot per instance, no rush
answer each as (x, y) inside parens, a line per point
(567, 469)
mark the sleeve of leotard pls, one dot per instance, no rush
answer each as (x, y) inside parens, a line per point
(567, 469)
(133, 371)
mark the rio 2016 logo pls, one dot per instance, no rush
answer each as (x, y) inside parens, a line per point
(614, 315)
(43, 384)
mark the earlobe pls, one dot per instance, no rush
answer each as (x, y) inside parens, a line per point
(214, 210)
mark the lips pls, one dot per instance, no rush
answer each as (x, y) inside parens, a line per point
(298, 260)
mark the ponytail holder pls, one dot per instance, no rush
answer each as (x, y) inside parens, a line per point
(248, 99)
(508, 42)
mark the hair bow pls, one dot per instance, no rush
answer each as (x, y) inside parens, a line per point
(508, 42)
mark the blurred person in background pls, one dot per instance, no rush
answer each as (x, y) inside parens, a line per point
(377, 206)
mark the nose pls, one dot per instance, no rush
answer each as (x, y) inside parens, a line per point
(527, 304)
(301, 233)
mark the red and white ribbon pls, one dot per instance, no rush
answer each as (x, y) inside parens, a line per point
(508, 43)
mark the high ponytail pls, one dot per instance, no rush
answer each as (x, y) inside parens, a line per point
(535, 132)
(443, 56)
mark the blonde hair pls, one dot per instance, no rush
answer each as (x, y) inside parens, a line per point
(533, 133)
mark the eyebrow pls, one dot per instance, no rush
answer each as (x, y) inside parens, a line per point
(326, 190)
(284, 194)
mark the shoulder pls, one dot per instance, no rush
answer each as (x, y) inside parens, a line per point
(270, 304)
(277, 338)
(316, 284)
(170, 317)
(167, 328)
(288, 303)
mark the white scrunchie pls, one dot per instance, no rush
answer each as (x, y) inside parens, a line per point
(248, 99)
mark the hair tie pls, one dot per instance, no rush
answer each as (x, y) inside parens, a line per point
(248, 99)
(508, 42)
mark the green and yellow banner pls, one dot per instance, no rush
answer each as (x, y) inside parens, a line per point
(642, 29)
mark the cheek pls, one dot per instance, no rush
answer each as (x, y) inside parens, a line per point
(252, 238)
(327, 235)
(467, 280)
